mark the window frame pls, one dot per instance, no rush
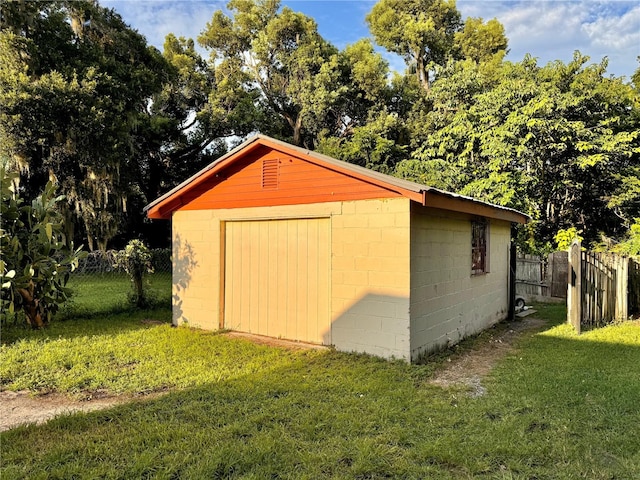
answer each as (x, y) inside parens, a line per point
(480, 246)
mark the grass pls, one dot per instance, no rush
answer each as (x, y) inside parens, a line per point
(560, 406)
(100, 294)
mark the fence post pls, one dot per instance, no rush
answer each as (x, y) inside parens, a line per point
(574, 291)
(622, 288)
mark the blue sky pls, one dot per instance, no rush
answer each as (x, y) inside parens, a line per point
(547, 29)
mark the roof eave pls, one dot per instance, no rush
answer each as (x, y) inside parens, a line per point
(164, 206)
(154, 210)
(450, 201)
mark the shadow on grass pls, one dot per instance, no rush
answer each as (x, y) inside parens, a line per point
(106, 324)
(559, 407)
(100, 305)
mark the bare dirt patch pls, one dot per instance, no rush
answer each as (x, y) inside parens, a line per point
(21, 408)
(469, 368)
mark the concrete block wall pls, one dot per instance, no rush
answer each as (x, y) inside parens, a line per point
(370, 280)
(196, 276)
(448, 303)
(370, 244)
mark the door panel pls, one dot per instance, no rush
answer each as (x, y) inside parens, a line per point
(277, 278)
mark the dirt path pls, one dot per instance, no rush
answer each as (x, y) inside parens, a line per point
(18, 408)
(470, 368)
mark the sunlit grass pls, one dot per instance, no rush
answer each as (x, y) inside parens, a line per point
(558, 407)
(127, 353)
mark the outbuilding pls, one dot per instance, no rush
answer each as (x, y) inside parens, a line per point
(280, 241)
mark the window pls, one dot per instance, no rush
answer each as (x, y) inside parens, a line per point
(479, 241)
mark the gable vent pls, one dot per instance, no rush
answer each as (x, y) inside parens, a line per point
(270, 173)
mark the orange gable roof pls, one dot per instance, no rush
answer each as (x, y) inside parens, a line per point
(264, 171)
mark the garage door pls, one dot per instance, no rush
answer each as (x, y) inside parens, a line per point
(277, 278)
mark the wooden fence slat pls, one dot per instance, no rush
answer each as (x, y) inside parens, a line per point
(621, 311)
(542, 277)
(574, 291)
(603, 288)
(633, 286)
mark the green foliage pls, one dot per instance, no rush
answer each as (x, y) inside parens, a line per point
(555, 399)
(565, 237)
(373, 145)
(75, 106)
(36, 261)
(135, 259)
(277, 66)
(421, 31)
(631, 244)
(480, 41)
(559, 142)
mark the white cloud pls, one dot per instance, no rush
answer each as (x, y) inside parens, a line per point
(157, 18)
(553, 30)
(617, 32)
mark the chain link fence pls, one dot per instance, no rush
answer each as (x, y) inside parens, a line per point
(100, 287)
(103, 263)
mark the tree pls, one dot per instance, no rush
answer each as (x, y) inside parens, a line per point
(75, 86)
(630, 245)
(559, 142)
(135, 259)
(421, 31)
(36, 261)
(373, 145)
(368, 129)
(277, 65)
(479, 41)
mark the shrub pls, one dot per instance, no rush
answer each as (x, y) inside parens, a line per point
(35, 262)
(135, 259)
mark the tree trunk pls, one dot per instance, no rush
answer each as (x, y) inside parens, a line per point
(138, 286)
(296, 127)
(31, 310)
(89, 239)
(69, 225)
(297, 131)
(102, 244)
(421, 71)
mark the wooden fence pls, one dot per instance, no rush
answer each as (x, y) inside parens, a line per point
(538, 277)
(603, 288)
(634, 286)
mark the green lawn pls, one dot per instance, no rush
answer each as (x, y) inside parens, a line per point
(560, 406)
(99, 294)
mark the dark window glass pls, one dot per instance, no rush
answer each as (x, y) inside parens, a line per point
(478, 247)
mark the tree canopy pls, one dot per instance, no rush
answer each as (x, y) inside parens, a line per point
(421, 31)
(85, 100)
(75, 86)
(559, 142)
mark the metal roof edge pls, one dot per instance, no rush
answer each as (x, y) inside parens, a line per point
(356, 169)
